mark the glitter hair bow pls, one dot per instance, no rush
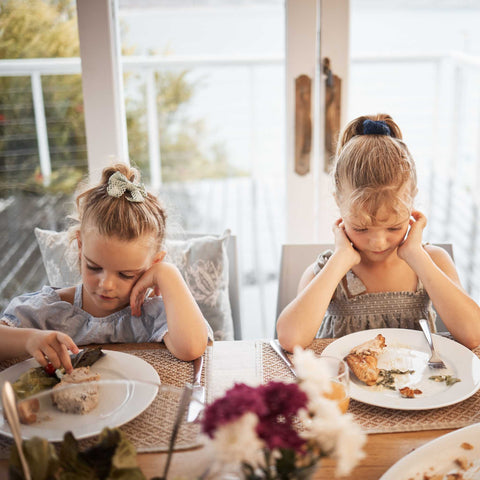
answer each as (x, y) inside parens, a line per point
(118, 184)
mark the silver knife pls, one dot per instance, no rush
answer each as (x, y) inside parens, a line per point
(197, 402)
(276, 346)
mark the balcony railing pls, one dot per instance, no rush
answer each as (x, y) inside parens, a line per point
(446, 192)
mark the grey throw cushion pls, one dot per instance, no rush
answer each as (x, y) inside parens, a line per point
(202, 260)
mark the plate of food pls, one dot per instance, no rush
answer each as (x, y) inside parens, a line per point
(110, 392)
(389, 368)
(454, 455)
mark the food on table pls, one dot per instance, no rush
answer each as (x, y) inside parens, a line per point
(461, 468)
(33, 381)
(364, 367)
(81, 399)
(362, 359)
(87, 357)
(408, 392)
(448, 379)
(386, 378)
(38, 379)
(371, 347)
(27, 411)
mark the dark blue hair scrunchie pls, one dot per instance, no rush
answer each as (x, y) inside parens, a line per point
(376, 127)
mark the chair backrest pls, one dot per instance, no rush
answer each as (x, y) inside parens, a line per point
(439, 322)
(234, 286)
(295, 258)
(233, 280)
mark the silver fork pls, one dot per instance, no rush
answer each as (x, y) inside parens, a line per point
(435, 360)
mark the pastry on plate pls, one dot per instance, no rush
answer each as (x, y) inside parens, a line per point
(362, 359)
(81, 399)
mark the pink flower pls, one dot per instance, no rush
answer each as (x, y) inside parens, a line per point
(238, 400)
(275, 404)
(276, 427)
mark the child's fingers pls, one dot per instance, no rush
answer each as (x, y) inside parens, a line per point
(39, 356)
(136, 300)
(65, 359)
(418, 222)
(52, 356)
(338, 223)
(64, 339)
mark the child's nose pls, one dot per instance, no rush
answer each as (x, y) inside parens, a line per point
(106, 281)
(378, 241)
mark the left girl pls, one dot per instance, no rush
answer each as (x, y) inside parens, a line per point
(120, 237)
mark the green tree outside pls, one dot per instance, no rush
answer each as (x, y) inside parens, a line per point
(48, 29)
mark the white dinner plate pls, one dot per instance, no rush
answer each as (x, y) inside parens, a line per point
(438, 456)
(408, 350)
(118, 402)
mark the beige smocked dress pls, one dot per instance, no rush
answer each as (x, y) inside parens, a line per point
(352, 309)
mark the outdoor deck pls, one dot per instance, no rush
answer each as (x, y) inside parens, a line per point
(21, 264)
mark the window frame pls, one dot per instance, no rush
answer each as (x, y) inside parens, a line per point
(314, 29)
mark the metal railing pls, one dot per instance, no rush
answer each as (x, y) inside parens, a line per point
(149, 65)
(442, 190)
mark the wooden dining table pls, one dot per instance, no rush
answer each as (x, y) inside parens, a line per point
(245, 361)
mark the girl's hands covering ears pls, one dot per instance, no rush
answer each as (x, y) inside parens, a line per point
(343, 245)
(413, 241)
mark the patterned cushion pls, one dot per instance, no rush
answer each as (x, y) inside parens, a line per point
(202, 260)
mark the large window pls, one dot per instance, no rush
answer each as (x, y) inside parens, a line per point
(42, 132)
(421, 63)
(204, 91)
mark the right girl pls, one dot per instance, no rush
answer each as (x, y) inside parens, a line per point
(120, 236)
(380, 273)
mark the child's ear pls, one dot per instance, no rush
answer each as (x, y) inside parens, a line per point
(159, 256)
(79, 240)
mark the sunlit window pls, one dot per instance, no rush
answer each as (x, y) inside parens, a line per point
(420, 62)
(204, 88)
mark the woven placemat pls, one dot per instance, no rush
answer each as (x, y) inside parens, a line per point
(150, 431)
(374, 419)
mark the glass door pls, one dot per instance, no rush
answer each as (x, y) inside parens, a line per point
(204, 87)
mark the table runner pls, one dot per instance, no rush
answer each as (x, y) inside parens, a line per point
(374, 419)
(150, 431)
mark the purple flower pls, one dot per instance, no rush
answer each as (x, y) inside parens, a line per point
(283, 398)
(279, 435)
(238, 400)
(276, 426)
(275, 405)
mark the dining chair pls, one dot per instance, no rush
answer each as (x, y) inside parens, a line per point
(295, 258)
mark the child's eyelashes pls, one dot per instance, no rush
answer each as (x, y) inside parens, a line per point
(93, 268)
(126, 276)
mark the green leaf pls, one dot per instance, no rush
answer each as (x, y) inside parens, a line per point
(41, 458)
(113, 457)
(73, 466)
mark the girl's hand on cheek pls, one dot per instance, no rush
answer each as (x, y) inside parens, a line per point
(150, 279)
(413, 241)
(343, 244)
